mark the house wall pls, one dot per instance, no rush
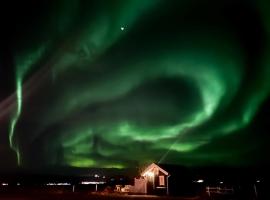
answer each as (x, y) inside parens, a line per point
(140, 185)
(154, 186)
(159, 188)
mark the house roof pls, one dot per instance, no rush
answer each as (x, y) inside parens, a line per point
(152, 167)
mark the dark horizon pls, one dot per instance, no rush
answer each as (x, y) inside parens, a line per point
(64, 171)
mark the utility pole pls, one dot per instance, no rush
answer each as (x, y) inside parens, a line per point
(73, 188)
(255, 191)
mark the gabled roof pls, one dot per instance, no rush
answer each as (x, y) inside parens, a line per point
(152, 167)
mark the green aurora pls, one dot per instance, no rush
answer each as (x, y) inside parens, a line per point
(125, 82)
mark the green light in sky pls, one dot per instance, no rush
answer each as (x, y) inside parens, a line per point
(23, 67)
(125, 88)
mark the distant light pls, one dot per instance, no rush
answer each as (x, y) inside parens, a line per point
(96, 175)
(122, 28)
(58, 184)
(258, 181)
(104, 177)
(221, 182)
(18, 184)
(4, 184)
(86, 182)
(200, 181)
(63, 184)
(91, 182)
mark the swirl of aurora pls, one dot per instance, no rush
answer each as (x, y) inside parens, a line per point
(118, 83)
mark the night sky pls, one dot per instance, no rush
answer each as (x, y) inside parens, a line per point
(120, 83)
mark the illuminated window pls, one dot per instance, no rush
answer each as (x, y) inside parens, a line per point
(161, 180)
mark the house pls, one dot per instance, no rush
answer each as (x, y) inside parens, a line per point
(153, 180)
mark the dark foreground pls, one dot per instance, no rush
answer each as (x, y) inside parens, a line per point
(89, 196)
(100, 196)
(60, 193)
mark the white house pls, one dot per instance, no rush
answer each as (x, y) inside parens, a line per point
(153, 180)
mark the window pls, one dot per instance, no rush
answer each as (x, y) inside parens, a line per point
(161, 180)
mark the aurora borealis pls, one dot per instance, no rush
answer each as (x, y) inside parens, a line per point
(118, 83)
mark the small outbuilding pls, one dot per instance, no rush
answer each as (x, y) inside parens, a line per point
(153, 180)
